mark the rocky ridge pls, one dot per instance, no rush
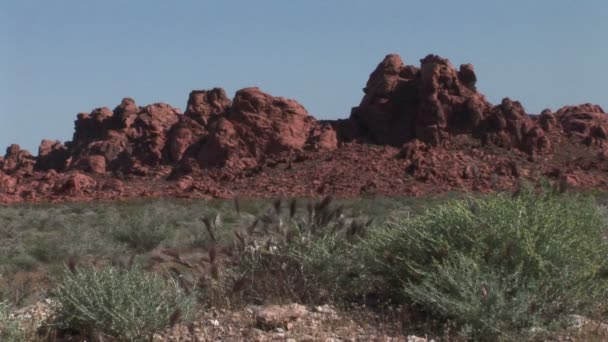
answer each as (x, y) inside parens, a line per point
(418, 129)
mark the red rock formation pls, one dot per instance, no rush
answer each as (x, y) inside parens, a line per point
(403, 102)
(52, 155)
(8, 184)
(92, 164)
(128, 138)
(77, 184)
(185, 134)
(507, 125)
(258, 126)
(205, 104)
(417, 130)
(434, 102)
(18, 161)
(587, 122)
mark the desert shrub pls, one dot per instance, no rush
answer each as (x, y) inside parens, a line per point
(141, 230)
(303, 256)
(9, 328)
(128, 304)
(496, 265)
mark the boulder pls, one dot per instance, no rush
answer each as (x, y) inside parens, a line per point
(509, 126)
(258, 126)
(8, 184)
(126, 136)
(77, 184)
(404, 102)
(17, 160)
(183, 135)
(114, 185)
(267, 124)
(206, 104)
(92, 164)
(587, 122)
(52, 155)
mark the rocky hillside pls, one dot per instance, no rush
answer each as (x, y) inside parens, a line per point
(418, 129)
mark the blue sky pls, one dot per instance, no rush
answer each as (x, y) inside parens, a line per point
(59, 58)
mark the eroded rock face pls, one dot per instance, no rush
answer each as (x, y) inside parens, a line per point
(92, 164)
(436, 101)
(403, 102)
(508, 126)
(203, 105)
(267, 124)
(77, 184)
(418, 129)
(148, 133)
(17, 160)
(8, 184)
(186, 133)
(258, 126)
(587, 121)
(223, 145)
(52, 155)
(127, 137)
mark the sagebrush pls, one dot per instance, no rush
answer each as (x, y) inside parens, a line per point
(128, 304)
(499, 265)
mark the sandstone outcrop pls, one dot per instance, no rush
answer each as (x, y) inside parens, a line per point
(128, 138)
(404, 102)
(52, 155)
(258, 126)
(17, 161)
(203, 105)
(436, 101)
(417, 129)
(587, 122)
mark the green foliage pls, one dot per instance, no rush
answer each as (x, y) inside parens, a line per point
(305, 257)
(498, 264)
(9, 329)
(128, 304)
(141, 230)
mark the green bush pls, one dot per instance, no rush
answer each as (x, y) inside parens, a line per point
(142, 231)
(9, 329)
(127, 304)
(498, 265)
(305, 257)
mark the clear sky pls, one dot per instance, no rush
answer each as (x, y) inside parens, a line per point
(59, 58)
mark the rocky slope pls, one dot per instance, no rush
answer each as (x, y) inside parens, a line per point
(418, 129)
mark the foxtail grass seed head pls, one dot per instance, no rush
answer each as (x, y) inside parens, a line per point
(212, 254)
(240, 284)
(72, 264)
(209, 227)
(293, 207)
(175, 317)
(237, 206)
(277, 207)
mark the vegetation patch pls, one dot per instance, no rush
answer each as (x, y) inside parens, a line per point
(128, 304)
(499, 266)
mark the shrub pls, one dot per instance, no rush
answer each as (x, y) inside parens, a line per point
(304, 257)
(9, 328)
(127, 304)
(141, 231)
(496, 265)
